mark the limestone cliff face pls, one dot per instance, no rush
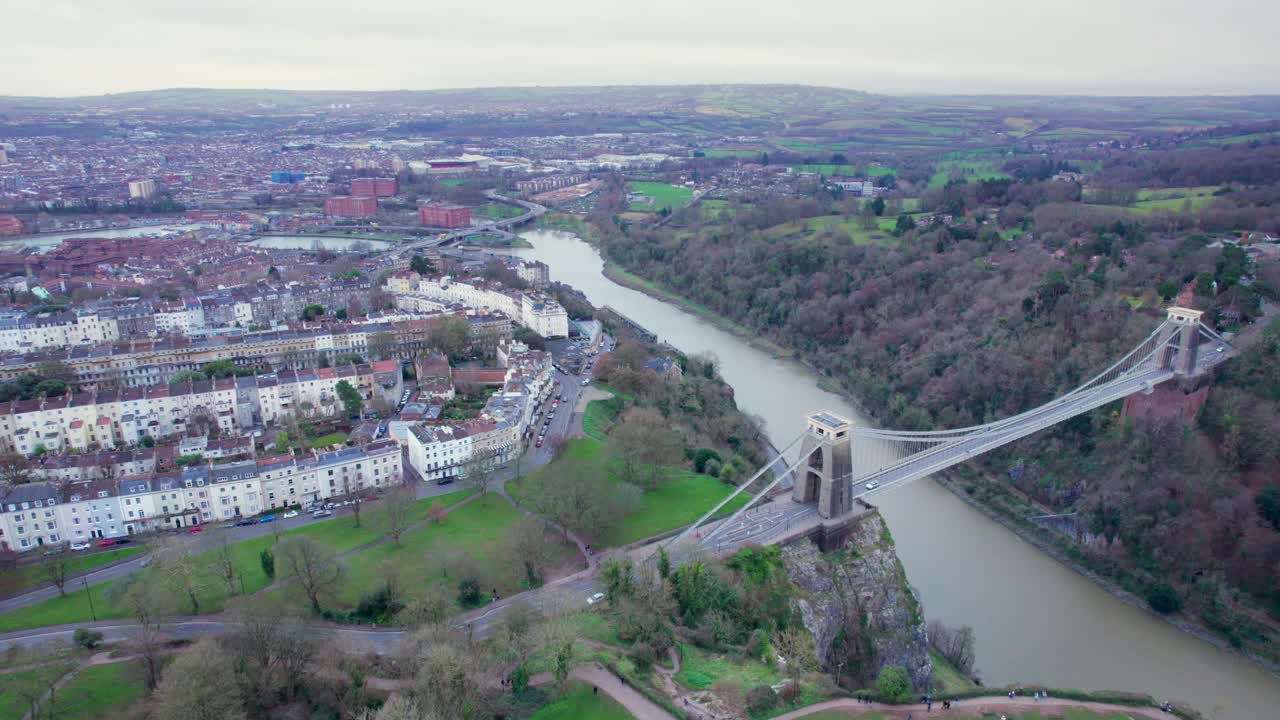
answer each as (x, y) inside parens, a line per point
(867, 566)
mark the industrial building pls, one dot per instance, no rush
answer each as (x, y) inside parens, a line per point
(445, 215)
(144, 189)
(373, 187)
(347, 206)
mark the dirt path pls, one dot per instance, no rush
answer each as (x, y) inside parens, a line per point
(975, 707)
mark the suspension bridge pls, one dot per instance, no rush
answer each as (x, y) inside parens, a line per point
(840, 464)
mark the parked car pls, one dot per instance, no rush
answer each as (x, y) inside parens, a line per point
(195, 529)
(106, 543)
(245, 522)
(595, 598)
(123, 541)
(290, 514)
(267, 518)
(586, 382)
(79, 546)
(322, 512)
(539, 443)
(444, 481)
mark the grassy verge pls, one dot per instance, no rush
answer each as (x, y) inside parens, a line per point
(600, 415)
(333, 438)
(680, 500)
(579, 702)
(31, 575)
(101, 691)
(616, 273)
(946, 677)
(340, 534)
(472, 541)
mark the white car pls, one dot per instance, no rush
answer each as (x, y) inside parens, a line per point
(873, 485)
(80, 546)
(290, 514)
(595, 599)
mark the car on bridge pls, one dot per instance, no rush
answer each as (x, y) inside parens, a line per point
(873, 485)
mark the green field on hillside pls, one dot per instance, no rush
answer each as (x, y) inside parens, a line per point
(661, 196)
(579, 702)
(27, 576)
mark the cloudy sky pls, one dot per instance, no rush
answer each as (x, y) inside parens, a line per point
(80, 47)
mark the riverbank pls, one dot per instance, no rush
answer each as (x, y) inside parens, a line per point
(1047, 542)
(1059, 549)
(616, 273)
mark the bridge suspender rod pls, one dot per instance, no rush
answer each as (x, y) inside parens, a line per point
(743, 486)
(746, 507)
(1212, 334)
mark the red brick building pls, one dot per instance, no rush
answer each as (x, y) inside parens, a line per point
(10, 225)
(347, 206)
(444, 215)
(373, 187)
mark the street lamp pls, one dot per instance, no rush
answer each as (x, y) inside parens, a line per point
(85, 579)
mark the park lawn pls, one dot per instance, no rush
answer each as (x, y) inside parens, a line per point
(881, 234)
(32, 575)
(681, 499)
(578, 702)
(102, 691)
(971, 170)
(340, 534)
(497, 211)
(1174, 198)
(13, 707)
(664, 195)
(333, 438)
(478, 530)
(600, 415)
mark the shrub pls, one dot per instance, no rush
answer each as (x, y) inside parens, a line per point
(1163, 598)
(87, 639)
(268, 560)
(712, 468)
(893, 684)
(644, 655)
(761, 700)
(469, 593)
(702, 456)
(381, 604)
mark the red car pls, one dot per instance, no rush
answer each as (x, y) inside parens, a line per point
(106, 543)
(195, 529)
(539, 443)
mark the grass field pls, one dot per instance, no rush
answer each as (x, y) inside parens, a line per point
(496, 211)
(578, 702)
(1174, 198)
(958, 713)
(334, 438)
(947, 677)
(601, 414)
(477, 531)
(101, 691)
(13, 707)
(677, 502)
(971, 170)
(662, 194)
(339, 534)
(731, 153)
(32, 575)
(881, 234)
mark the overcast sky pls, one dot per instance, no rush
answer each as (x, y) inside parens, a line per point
(83, 47)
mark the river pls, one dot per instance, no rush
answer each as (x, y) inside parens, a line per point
(326, 242)
(1035, 619)
(46, 242)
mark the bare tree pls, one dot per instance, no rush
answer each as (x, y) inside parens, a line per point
(398, 511)
(646, 445)
(57, 567)
(33, 686)
(147, 603)
(181, 570)
(533, 546)
(15, 469)
(225, 563)
(315, 566)
(481, 470)
(274, 647)
(954, 644)
(201, 684)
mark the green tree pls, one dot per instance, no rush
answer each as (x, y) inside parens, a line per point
(268, 562)
(877, 206)
(183, 376)
(893, 684)
(520, 679)
(282, 442)
(421, 265)
(1163, 598)
(350, 397)
(311, 312)
(904, 225)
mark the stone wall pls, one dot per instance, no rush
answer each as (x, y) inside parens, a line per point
(870, 563)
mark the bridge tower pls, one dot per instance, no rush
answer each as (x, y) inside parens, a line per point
(1185, 324)
(826, 475)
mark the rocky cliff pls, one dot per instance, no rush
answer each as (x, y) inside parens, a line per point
(866, 574)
